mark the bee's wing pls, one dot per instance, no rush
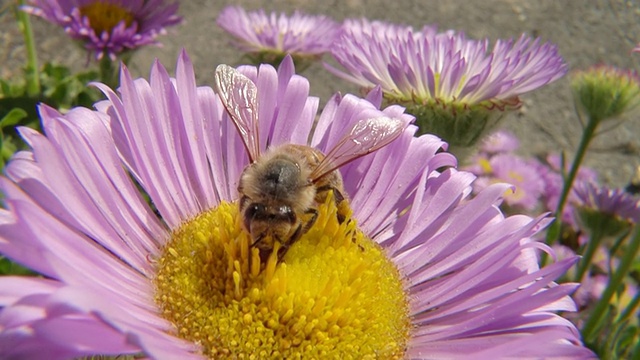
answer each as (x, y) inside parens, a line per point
(240, 97)
(365, 137)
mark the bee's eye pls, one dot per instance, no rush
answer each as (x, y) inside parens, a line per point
(253, 211)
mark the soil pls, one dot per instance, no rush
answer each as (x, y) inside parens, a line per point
(588, 32)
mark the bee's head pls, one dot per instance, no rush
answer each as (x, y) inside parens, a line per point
(279, 178)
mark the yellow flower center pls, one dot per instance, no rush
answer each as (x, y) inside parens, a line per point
(515, 176)
(335, 295)
(485, 165)
(104, 16)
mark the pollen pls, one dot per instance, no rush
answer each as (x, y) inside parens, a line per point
(104, 16)
(334, 295)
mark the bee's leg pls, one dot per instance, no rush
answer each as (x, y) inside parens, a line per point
(309, 224)
(257, 241)
(337, 197)
(282, 251)
(264, 253)
(285, 245)
(300, 230)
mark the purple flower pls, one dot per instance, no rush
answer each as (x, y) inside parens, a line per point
(431, 67)
(611, 202)
(470, 281)
(523, 174)
(109, 27)
(276, 35)
(501, 141)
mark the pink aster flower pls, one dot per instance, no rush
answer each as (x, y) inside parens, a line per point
(501, 141)
(610, 202)
(428, 66)
(270, 37)
(109, 27)
(456, 87)
(469, 275)
(523, 174)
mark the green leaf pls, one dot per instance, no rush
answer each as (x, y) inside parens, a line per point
(8, 267)
(10, 89)
(8, 148)
(13, 117)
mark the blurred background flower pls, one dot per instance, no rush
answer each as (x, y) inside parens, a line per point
(109, 28)
(498, 142)
(604, 92)
(537, 181)
(614, 203)
(268, 38)
(528, 185)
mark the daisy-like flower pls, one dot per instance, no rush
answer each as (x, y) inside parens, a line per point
(604, 214)
(605, 208)
(501, 141)
(109, 27)
(452, 84)
(420, 270)
(528, 185)
(268, 38)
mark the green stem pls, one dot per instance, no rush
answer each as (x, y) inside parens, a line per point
(609, 349)
(108, 73)
(595, 239)
(630, 309)
(33, 77)
(626, 262)
(553, 234)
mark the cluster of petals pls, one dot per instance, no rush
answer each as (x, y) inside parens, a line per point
(428, 65)
(74, 213)
(499, 141)
(150, 18)
(299, 34)
(537, 183)
(615, 202)
(522, 173)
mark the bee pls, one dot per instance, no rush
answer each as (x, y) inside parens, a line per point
(281, 189)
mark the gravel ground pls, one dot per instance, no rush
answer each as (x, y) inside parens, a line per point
(587, 32)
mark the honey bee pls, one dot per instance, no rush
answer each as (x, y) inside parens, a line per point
(280, 189)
